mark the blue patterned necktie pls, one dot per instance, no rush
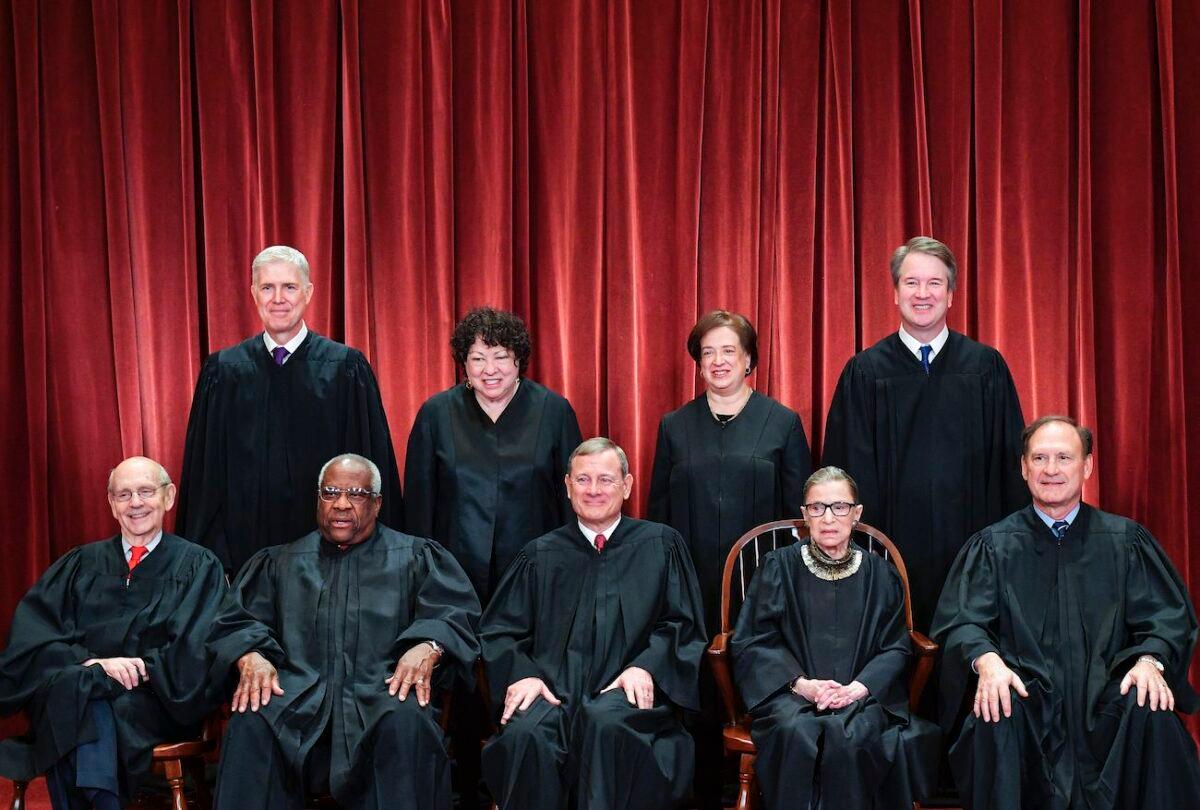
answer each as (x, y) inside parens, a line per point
(280, 354)
(925, 352)
(1060, 528)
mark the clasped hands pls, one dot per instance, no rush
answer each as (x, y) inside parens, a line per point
(636, 682)
(829, 694)
(259, 679)
(995, 679)
(128, 672)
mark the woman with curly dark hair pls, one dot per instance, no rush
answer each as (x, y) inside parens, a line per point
(487, 457)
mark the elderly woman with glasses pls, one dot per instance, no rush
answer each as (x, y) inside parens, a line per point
(820, 652)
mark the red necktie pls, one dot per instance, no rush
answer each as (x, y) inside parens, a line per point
(599, 543)
(135, 556)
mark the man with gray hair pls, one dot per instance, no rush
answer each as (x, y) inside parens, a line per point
(337, 641)
(929, 424)
(106, 652)
(267, 412)
(593, 640)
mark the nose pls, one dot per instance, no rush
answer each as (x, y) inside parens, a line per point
(827, 516)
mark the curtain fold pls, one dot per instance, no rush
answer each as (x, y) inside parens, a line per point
(609, 169)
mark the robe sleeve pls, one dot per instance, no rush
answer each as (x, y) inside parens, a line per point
(676, 645)
(569, 438)
(763, 664)
(245, 621)
(797, 467)
(964, 624)
(1005, 445)
(658, 506)
(44, 638)
(369, 433)
(887, 666)
(1159, 617)
(506, 629)
(420, 476)
(176, 668)
(850, 433)
(446, 610)
(202, 485)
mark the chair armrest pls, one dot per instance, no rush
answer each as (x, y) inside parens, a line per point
(718, 659)
(926, 652)
(924, 646)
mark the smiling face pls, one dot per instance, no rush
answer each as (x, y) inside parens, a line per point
(597, 489)
(138, 499)
(923, 295)
(343, 521)
(281, 295)
(1055, 468)
(830, 532)
(723, 361)
(492, 371)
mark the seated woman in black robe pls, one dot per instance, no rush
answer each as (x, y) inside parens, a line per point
(820, 652)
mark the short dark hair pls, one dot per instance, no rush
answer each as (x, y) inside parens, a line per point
(925, 244)
(715, 320)
(495, 327)
(1085, 434)
(829, 474)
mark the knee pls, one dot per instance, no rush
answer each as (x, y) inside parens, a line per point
(407, 725)
(605, 720)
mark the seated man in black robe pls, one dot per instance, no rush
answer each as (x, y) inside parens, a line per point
(1067, 636)
(593, 641)
(338, 639)
(267, 413)
(106, 652)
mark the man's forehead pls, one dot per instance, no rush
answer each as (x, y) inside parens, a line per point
(134, 474)
(923, 264)
(1055, 436)
(347, 471)
(280, 271)
(603, 462)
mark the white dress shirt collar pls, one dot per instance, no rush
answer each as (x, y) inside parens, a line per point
(915, 345)
(291, 345)
(608, 533)
(126, 545)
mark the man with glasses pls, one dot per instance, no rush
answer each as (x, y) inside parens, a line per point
(593, 640)
(267, 413)
(1067, 637)
(338, 641)
(106, 653)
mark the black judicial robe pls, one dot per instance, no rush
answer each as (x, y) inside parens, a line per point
(713, 481)
(334, 623)
(484, 489)
(83, 607)
(259, 433)
(1070, 619)
(578, 619)
(936, 457)
(794, 623)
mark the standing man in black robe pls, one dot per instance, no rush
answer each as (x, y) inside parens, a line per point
(106, 651)
(267, 413)
(338, 639)
(1067, 636)
(929, 424)
(593, 642)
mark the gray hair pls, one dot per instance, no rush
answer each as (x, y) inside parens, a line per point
(376, 478)
(931, 246)
(829, 474)
(281, 253)
(597, 445)
(164, 478)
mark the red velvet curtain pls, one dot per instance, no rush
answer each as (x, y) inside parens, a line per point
(609, 169)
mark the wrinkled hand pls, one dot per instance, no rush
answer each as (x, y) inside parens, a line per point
(128, 672)
(521, 695)
(842, 696)
(991, 695)
(638, 686)
(1149, 681)
(259, 680)
(415, 668)
(813, 689)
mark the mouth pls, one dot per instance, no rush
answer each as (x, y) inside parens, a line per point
(341, 523)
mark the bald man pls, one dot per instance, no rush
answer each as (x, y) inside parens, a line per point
(106, 651)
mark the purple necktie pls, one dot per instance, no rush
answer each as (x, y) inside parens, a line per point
(279, 353)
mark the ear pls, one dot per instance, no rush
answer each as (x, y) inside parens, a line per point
(1025, 467)
(1087, 468)
(169, 497)
(628, 486)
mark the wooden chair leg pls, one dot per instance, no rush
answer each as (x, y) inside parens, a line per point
(18, 802)
(746, 798)
(195, 769)
(173, 770)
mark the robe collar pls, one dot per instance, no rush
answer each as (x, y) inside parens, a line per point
(1044, 539)
(331, 549)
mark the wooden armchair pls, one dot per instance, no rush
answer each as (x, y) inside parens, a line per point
(740, 565)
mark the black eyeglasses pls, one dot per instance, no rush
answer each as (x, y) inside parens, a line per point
(353, 494)
(817, 509)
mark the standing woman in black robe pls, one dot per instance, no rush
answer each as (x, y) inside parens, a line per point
(484, 472)
(820, 652)
(726, 461)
